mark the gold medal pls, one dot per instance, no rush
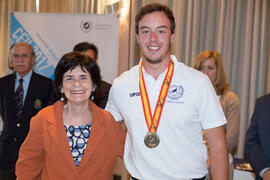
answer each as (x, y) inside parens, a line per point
(151, 140)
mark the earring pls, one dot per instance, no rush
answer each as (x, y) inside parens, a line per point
(92, 95)
(62, 95)
(62, 98)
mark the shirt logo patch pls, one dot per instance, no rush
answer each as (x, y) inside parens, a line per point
(175, 92)
(134, 94)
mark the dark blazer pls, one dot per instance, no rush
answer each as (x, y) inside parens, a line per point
(14, 130)
(101, 94)
(257, 145)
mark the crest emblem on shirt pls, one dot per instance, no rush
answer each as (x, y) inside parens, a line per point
(175, 92)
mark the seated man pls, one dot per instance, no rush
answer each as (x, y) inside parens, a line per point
(101, 93)
(257, 145)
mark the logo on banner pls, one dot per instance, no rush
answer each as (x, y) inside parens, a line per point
(86, 26)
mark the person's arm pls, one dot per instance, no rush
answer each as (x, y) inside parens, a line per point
(232, 113)
(30, 162)
(112, 104)
(218, 153)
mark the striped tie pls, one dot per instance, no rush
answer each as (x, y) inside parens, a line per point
(19, 99)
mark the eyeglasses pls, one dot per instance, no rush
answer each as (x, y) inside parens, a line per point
(24, 56)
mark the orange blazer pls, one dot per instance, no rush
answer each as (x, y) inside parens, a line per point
(46, 154)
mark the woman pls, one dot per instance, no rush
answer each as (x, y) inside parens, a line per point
(72, 139)
(210, 63)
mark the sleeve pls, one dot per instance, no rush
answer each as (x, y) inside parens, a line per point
(112, 106)
(119, 137)
(210, 111)
(253, 147)
(232, 113)
(31, 155)
(263, 171)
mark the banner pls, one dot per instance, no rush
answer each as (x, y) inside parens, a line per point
(52, 35)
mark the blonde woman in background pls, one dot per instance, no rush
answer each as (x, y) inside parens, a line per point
(211, 64)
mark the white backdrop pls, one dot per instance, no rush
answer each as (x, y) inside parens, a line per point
(52, 35)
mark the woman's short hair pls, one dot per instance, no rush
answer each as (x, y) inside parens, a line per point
(70, 61)
(221, 84)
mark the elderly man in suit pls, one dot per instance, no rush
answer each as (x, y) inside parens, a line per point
(22, 95)
(101, 93)
(257, 144)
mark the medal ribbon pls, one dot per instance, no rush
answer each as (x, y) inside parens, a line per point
(153, 121)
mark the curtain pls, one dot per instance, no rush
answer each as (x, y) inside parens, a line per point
(53, 6)
(237, 29)
(72, 6)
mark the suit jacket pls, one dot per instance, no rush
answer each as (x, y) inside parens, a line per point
(101, 94)
(46, 154)
(257, 145)
(14, 130)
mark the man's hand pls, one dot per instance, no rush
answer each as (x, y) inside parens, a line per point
(266, 175)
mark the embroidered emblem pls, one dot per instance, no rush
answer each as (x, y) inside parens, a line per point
(175, 92)
(37, 104)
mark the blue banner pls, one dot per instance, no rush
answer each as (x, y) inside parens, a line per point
(19, 34)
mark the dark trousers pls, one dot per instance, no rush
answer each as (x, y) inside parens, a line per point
(7, 174)
(203, 178)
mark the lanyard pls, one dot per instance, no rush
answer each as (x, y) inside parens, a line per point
(153, 121)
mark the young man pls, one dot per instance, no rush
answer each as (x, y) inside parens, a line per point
(22, 95)
(101, 93)
(165, 105)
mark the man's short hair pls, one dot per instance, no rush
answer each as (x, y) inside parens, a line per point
(26, 44)
(84, 46)
(153, 7)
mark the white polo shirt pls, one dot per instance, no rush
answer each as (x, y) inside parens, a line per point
(191, 105)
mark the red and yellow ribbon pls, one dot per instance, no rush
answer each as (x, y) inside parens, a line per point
(153, 121)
